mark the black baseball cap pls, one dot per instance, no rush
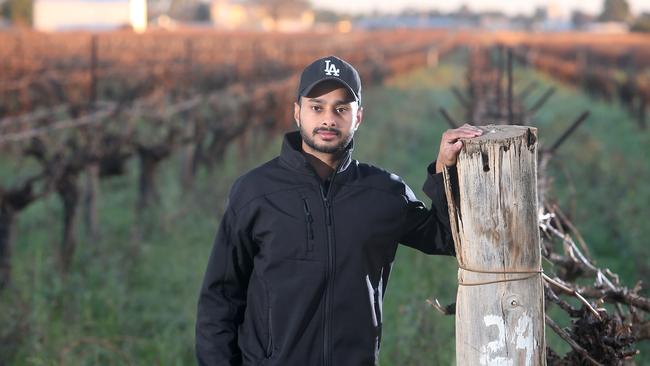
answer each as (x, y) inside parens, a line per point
(330, 68)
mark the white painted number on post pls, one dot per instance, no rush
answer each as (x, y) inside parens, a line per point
(488, 351)
(525, 326)
(523, 340)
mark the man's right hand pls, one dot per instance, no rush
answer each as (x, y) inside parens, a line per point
(450, 144)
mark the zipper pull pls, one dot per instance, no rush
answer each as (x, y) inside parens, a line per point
(310, 219)
(327, 212)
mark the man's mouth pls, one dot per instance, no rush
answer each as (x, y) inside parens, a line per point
(327, 134)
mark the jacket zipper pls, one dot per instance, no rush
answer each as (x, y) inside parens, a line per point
(330, 261)
(330, 267)
(310, 229)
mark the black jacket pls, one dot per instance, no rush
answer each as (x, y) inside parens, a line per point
(299, 267)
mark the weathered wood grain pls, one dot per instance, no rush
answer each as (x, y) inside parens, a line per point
(493, 207)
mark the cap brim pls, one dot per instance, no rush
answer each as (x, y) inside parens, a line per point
(312, 85)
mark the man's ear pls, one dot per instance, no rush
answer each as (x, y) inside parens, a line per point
(296, 113)
(359, 118)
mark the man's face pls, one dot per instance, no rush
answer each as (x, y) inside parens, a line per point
(327, 118)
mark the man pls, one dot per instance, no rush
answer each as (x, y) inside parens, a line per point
(301, 260)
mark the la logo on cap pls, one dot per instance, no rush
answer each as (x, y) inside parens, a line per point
(330, 69)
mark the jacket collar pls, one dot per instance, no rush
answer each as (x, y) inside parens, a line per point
(291, 153)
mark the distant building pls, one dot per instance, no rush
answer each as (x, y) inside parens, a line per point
(607, 27)
(232, 14)
(246, 15)
(58, 15)
(554, 11)
(294, 18)
(550, 18)
(494, 21)
(581, 19)
(417, 22)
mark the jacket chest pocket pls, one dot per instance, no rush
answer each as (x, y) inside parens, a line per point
(287, 225)
(309, 224)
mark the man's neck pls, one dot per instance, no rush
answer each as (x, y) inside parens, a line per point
(323, 163)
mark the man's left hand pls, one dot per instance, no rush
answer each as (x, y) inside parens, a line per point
(450, 144)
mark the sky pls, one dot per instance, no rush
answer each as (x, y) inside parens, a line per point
(510, 7)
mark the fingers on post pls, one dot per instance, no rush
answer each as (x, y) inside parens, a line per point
(455, 134)
(457, 146)
(471, 127)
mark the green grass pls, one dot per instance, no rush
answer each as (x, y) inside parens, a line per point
(129, 301)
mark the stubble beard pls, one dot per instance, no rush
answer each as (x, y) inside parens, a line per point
(308, 138)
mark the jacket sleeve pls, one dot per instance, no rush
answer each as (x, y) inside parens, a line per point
(428, 230)
(222, 298)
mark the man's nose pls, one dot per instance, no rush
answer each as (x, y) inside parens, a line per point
(329, 118)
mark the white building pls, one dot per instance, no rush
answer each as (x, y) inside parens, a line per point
(246, 15)
(608, 28)
(57, 15)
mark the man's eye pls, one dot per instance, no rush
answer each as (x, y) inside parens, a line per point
(341, 109)
(316, 108)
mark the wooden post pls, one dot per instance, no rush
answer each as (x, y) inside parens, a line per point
(510, 86)
(90, 199)
(92, 92)
(493, 207)
(187, 152)
(189, 75)
(499, 82)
